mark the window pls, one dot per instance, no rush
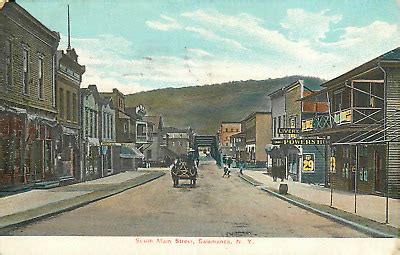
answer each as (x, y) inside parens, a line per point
(95, 124)
(74, 108)
(104, 125)
(112, 126)
(25, 71)
(125, 127)
(274, 126)
(279, 123)
(86, 122)
(8, 63)
(61, 107)
(40, 78)
(69, 105)
(91, 121)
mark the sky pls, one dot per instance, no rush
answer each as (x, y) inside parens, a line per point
(138, 45)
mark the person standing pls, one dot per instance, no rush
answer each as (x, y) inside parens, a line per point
(241, 166)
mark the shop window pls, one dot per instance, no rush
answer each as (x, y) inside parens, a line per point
(346, 162)
(363, 163)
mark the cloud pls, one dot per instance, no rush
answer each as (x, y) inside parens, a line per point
(166, 24)
(304, 25)
(375, 35)
(199, 52)
(209, 35)
(251, 27)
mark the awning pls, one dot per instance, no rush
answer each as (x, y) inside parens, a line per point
(130, 152)
(93, 141)
(69, 131)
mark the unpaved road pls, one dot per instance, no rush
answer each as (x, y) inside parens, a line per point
(218, 206)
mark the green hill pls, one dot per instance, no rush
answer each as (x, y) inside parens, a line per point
(204, 107)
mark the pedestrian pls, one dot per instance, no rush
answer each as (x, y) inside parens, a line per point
(197, 162)
(241, 166)
(229, 160)
(226, 171)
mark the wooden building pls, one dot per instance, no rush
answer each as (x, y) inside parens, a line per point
(362, 126)
(303, 163)
(27, 98)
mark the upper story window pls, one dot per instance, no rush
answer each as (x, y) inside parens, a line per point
(25, 70)
(8, 63)
(69, 105)
(74, 108)
(61, 100)
(40, 78)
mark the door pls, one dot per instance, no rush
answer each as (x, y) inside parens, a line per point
(378, 171)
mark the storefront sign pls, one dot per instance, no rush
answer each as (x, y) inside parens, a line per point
(308, 162)
(299, 141)
(288, 131)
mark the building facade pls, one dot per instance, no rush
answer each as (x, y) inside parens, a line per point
(362, 126)
(90, 101)
(27, 98)
(109, 159)
(226, 130)
(257, 130)
(302, 162)
(68, 149)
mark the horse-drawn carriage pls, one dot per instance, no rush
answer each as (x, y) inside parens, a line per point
(184, 168)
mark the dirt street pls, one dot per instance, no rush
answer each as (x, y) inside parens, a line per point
(216, 207)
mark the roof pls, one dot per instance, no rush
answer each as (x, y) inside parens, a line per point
(255, 113)
(284, 89)
(156, 120)
(174, 130)
(12, 6)
(239, 135)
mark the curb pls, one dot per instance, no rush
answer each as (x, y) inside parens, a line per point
(151, 177)
(370, 231)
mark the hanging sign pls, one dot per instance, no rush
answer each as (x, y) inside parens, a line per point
(288, 131)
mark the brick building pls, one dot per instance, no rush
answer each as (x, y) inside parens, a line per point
(27, 98)
(226, 130)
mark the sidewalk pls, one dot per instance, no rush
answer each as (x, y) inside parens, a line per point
(33, 205)
(368, 206)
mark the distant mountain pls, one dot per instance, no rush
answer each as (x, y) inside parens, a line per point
(204, 107)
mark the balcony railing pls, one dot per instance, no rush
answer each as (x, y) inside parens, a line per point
(356, 116)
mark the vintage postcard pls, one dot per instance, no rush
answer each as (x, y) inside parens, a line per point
(199, 127)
